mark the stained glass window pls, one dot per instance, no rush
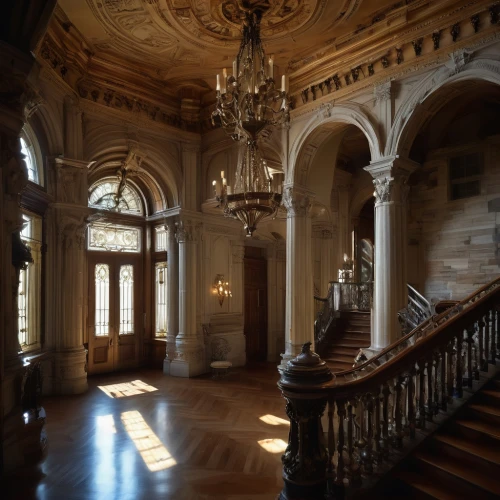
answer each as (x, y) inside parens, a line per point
(101, 300)
(161, 298)
(29, 290)
(29, 159)
(104, 195)
(22, 302)
(114, 238)
(161, 239)
(126, 300)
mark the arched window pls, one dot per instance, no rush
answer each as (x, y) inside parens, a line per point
(105, 194)
(32, 155)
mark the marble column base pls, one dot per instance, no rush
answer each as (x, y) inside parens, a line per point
(188, 363)
(70, 371)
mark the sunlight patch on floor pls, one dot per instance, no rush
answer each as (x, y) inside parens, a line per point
(273, 420)
(273, 445)
(106, 423)
(126, 389)
(152, 451)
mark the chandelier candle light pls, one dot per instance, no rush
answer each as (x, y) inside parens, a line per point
(248, 102)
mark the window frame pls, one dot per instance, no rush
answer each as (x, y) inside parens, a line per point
(33, 285)
(159, 256)
(35, 154)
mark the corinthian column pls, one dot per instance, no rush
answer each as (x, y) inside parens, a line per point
(390, 287)
(299, 321)
(68, 268)
(172, 294)
(190, 354)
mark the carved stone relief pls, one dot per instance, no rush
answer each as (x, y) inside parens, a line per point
(297, 203)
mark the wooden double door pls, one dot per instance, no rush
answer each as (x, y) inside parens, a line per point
(256, 308)
(115, 311)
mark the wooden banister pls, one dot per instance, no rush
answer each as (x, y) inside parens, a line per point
(378, 404)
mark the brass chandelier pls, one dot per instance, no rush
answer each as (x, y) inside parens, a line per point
(248, 102)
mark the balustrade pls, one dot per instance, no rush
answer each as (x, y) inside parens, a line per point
(380, 403)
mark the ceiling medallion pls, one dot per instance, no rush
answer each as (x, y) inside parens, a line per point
(248, 102)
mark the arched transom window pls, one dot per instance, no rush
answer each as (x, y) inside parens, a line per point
(108, 194)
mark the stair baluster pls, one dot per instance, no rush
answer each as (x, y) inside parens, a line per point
(459, 367)
(481, 324)
(486, 341)
(397, 437)
(444, 394)
(421, 395)
(331, 439)
(496, 316)
(493, 338)
(411, 402)
(430, 390)
(377, 435)
(340, 447)
(469, 339)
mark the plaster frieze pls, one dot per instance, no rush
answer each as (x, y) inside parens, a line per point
(71, 230)
(297, 202)
(486, 34)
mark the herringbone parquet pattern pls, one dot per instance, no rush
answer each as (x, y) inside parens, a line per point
(205, 442)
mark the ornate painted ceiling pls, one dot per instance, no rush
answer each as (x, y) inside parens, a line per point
(181, 41)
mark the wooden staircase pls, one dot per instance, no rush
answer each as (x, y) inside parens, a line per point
(461, 460)
(352, 332)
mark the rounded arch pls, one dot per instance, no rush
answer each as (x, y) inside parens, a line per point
(319, 127)
(159, 175)
(361, 196)
(436, 90)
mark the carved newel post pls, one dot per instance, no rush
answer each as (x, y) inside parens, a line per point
(306, 457)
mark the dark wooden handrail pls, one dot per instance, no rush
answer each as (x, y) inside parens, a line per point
(379, 403)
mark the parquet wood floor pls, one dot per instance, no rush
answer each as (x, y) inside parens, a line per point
(202, 434)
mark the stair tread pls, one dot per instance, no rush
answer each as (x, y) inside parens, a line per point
(483, 408)
(464, 472)
(492, 393)
(420, 483)
(482, 450)
(480, 426)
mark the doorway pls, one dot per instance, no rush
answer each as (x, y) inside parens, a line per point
(256, 308)
(115, 308)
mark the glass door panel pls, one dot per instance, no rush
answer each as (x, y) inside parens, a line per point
(113, 316)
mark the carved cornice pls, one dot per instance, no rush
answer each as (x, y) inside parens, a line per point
(383, 64)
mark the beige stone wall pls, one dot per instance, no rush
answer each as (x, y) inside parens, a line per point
(453, 245)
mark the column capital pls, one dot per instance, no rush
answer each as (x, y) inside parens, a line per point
(390, 176)
(187, 231)
(297, 201)
(392, 167)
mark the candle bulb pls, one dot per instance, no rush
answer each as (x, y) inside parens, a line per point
(271, 66)
(283, 83)
(218, 83)
(222, 174)
(224, 80)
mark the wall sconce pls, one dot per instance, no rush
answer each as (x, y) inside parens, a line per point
(221, 288)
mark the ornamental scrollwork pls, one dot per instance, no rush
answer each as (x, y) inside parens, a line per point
(383, 188)
(296, 203)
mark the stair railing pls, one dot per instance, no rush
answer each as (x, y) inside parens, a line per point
(418, 310)
(341, 297)
(376, 407)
